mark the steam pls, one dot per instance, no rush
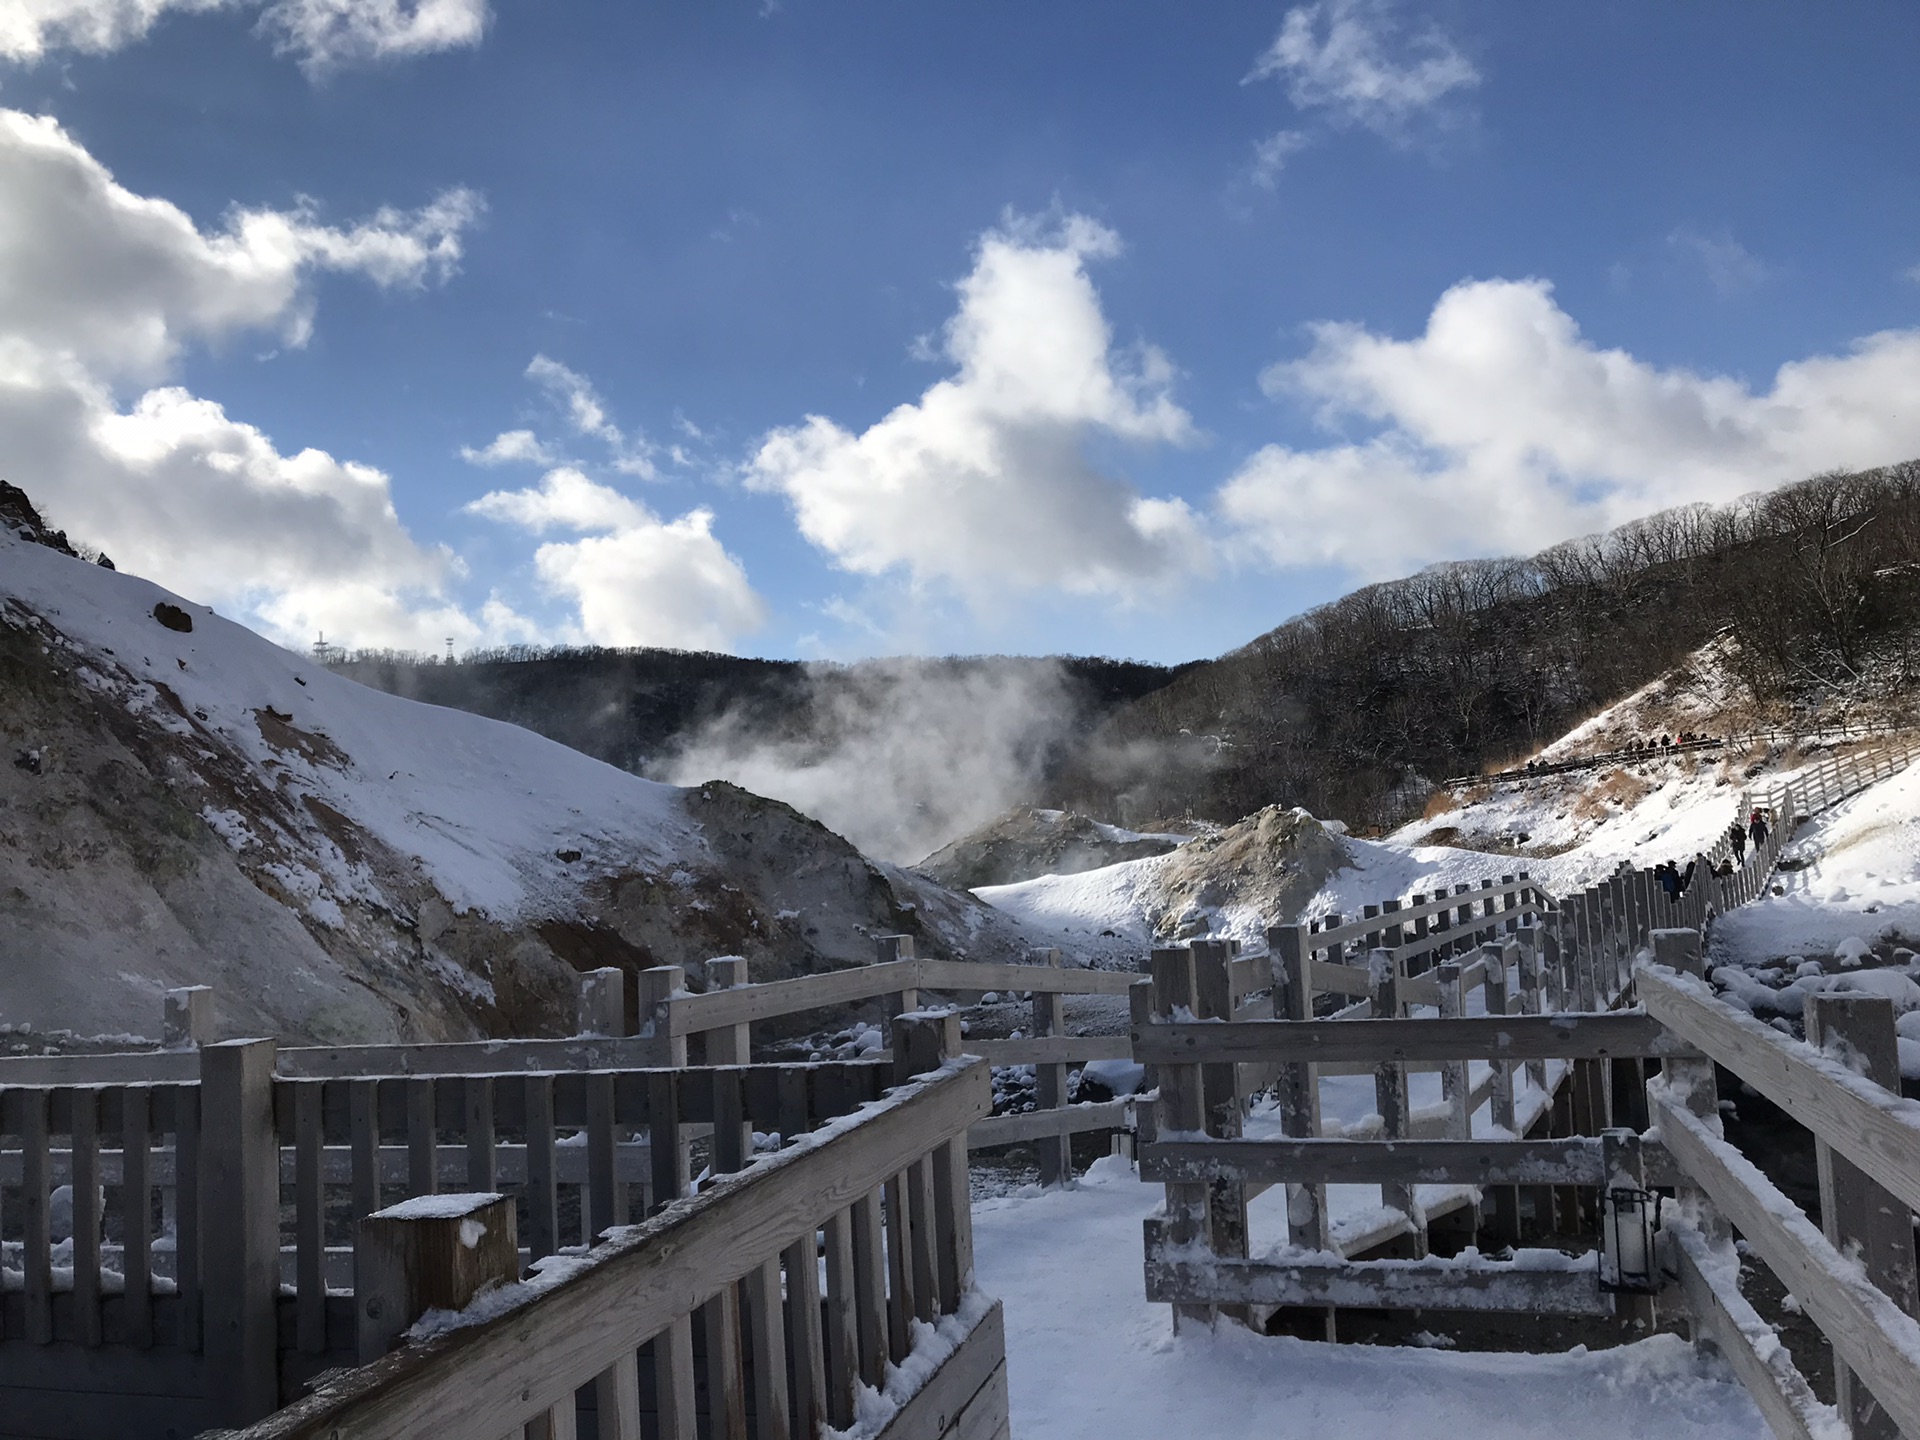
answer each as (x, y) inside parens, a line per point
(898, 756)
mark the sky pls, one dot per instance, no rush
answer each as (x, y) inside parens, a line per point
(830, 328)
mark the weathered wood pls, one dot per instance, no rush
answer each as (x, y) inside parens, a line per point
(967, 976)
(726, 1371)
(928, 1302)
(842, 1333)
(673, 1392)
(540, 1197)
(808, 1376)
(1390, 1092)
(1513, 1037)
(952, 1220)
(136, 1228)
(240, 1225)
(1859, 1216)
(768, 1334)
(471, 1057)
(423, 1147)
(966, 1398)
(1709, 1281)
(482, 1150)
(1182, 1104)
(616, 1399)
(1050, 1082)
(1034, 1124)
(1574, 1160)
(601, 1007)
(187, 1272)
(433, 1252)
(901, 1301)
(1868, 1124)
(1866, 1328)
(728, 1044)
(1307, 1223)
(84, 1120)
(1381, 1284)
(309, 1207)
(870, 1288)
(187, 1018)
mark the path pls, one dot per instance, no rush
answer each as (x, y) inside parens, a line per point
(1090, 1359)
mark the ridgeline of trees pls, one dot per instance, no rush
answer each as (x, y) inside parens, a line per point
(1345, 709)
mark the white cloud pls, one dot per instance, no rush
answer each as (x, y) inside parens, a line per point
(639, 580)
(1350, 60)
(510, 447)
(1503, 429)
(587, 415)
(120, 282)
(985, 481)
(99, 286)
(1730, 267)
(1270, 156)
(319, 34)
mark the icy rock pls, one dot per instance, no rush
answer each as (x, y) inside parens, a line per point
(1111, 1079)
(1889, 984)
(1810, 969)
(1851, 951)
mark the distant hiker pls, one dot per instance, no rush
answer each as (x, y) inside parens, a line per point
(1725, 868)
(1686, 877)
(1737, 838)
(1757, 829)
(1669, 876)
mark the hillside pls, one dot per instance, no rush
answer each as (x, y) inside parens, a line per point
(185, 803)
(1355, 707)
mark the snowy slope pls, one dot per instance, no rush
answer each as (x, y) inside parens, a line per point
(345, 864)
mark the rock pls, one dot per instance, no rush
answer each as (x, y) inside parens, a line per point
(27, 760)
(1026, 843)
(173, 617)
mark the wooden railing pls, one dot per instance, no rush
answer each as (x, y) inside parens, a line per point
(876, 1204)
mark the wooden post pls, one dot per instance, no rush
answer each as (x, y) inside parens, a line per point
(906, 999)
(1860, 1217)
(927, 1040)
(730, 1044)
(433, 1252)
(187, 1019)
(1291, 947)
(601, 1007)
(1183, 1110)
(1050, 1080)
(1220, 1090)
(1505, 1206)
(1390, 1093)
(1692, 1083)
(1140, 1014)
(240, 1228)
(1454, 1089)
(658, 986)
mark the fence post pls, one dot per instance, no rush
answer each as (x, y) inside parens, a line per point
(1505, 1221)
(1291, 947)
(187, 1017)
(730, 1044)
(1220, 1090)
(657, 989)
(1692, 1082)
(1182, 1110)
(906, 999)
(409, 1259)
(1390, 1094)
(1050, 1079)
(927, 1040)
(239, 1224)
(601, 1007)
(1860, 1217)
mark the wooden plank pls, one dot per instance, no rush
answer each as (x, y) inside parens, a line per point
(470, 1381)
(935, 1410)
(482, 1148)
(1034, 1124)
(1866, 1328)
(31, 1107)
(605, 1196)
(1051, 1049)
(901, 1306)
(967, 976)
(148, 1067)
(363, 1103)
(85, 1122)
(1511, 1037)
(136, 1224)
(1380, 1284)
(673, 1377)
(870, 1288)
(1441, 904)
(926, 1265)
(423, 1168)
(768, 1332)
(953, 1219)
(726, 1374)
(186, 1123)
(309, 1209)
(616, 1399)
(842, 1322)
(808, 1376)
(1750, 1345)
(1571, 1161)
(240, 1226)
(745, 1004)
(540, 1199)
(471, 1057)
(1870, 1125)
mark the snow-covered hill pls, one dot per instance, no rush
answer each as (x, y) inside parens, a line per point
(197, 805)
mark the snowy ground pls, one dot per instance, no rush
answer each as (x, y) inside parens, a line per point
(1090, 1359)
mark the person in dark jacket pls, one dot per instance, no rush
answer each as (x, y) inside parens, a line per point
(1686, 879)
(1757, 829)
(1669, 877)
(1737, 837)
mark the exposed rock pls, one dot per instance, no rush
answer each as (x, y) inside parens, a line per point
(1271, 863)
(173, 617)
(1026, 843)
(18, 516)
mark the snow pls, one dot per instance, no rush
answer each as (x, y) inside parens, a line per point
(1089, 1359)
(440, 1207)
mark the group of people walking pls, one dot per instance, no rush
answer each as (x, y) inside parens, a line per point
(1674, 880)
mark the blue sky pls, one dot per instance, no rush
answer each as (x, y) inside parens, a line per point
(1199, 315)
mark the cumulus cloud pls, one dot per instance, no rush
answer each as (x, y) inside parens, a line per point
(635, 579)
(100, 286)
(986, 481)
(1351, 62)
(510, 447)
(119, 282)
(1503, 429)
(319, 34)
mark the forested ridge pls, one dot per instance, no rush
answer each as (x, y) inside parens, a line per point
(1350, 707)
